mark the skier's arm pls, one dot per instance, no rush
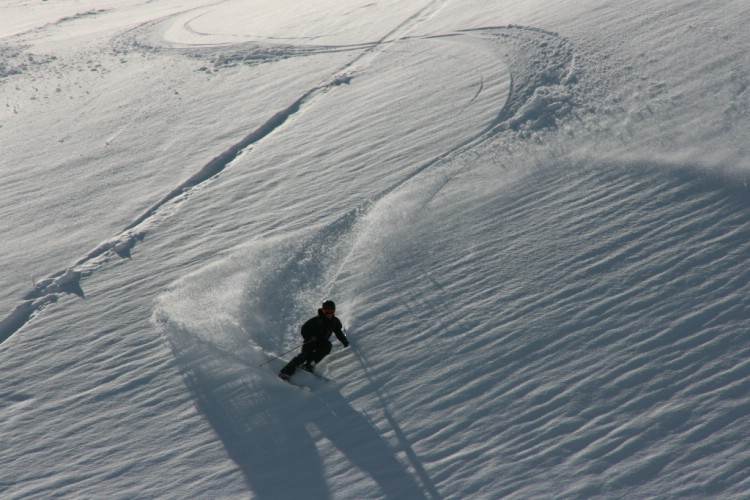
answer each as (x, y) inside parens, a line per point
(338, 330)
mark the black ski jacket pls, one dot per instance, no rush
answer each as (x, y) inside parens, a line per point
(320, 328)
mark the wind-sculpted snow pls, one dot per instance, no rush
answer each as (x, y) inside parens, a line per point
(591, 336)
(122, 244)
(596, 335)
(540, 95)
(578, 342)
(534, 221)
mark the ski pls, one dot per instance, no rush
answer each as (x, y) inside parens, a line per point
(298, 377)
(288, 378)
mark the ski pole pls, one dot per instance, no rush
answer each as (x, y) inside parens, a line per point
(283, 353)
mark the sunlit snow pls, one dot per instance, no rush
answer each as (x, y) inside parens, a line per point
(534, 218)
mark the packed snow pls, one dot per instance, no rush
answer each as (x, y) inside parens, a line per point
(533, 215)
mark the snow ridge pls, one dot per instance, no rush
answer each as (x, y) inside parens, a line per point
(541, 95)
(68, 281)
(546, 291)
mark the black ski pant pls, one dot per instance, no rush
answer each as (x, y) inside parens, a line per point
(312, 352)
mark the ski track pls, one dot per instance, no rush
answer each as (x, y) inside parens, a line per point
(610, 379)
(598, 371)
(68, 281)
(48, 290)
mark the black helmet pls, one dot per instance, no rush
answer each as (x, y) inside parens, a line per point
(329, 305)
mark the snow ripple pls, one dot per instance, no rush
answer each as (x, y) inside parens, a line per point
(595, 334)
(539, 97)
(68, 281)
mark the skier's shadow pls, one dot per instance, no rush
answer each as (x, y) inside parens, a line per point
(272, 430)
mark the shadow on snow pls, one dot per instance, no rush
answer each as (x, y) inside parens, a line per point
(271, 430)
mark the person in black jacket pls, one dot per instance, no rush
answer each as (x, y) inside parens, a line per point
(316, 332)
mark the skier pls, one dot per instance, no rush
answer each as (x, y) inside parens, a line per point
(316, 332)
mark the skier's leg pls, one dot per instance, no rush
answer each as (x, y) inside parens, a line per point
(321, 351)
(300, 358)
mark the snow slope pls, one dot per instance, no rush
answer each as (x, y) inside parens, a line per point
(533, 216)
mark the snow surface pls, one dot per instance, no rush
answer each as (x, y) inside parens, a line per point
(533, 215)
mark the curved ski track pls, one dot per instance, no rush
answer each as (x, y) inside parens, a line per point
(551, 65)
